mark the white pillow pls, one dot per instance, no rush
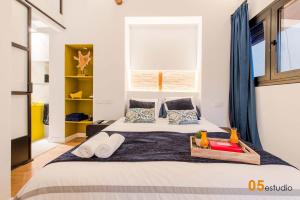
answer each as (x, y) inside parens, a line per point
(156, 101)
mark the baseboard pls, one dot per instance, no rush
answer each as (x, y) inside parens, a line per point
(56, 140)
(76, 135)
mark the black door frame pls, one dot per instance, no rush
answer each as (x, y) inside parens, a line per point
(21, 147)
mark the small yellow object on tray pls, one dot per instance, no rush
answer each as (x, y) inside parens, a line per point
(204, 141)
(76, 95)
(234, 137)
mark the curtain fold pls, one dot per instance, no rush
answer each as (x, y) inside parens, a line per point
(242, 100)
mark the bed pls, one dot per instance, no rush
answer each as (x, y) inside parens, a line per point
(164, 180)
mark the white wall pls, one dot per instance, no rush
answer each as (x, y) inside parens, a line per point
(39, 66)
(278, 118)
(278, 111)
(51, 7)
(102, 24)
(40, 47)
(5, 53)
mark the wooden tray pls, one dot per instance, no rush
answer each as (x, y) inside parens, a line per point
(249, 156)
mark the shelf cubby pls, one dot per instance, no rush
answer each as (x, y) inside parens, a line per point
(75, 83)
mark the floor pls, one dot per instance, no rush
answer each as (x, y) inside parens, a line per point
(41, 146)
(22, 174)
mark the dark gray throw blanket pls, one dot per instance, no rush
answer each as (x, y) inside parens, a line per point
(161, 146)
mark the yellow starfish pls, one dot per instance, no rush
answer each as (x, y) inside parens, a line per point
(83, 61)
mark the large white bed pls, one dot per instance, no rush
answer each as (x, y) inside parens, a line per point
(158, 180)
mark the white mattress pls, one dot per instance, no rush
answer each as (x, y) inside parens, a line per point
(157, 180)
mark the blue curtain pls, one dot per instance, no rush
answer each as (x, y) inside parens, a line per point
(242, 91)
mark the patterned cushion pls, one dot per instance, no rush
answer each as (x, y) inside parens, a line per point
(140, 115)
(182, 117)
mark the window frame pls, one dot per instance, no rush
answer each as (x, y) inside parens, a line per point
(266, 19)
(272, 75)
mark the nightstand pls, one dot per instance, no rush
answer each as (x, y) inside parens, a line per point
(96, 127)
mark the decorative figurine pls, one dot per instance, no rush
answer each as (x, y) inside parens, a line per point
(76, 95)
(83, 61)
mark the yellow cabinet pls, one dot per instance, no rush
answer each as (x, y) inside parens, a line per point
(37, 126)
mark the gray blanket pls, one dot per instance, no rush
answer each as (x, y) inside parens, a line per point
(161, 146)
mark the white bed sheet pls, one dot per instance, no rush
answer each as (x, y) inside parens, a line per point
(163, 125)
(157, 180)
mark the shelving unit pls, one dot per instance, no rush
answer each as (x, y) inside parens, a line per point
(80, 77)
(75, 83)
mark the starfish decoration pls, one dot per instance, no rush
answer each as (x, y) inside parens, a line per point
(83, 60)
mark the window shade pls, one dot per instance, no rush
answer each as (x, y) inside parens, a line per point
(257, 33)
(163, 47)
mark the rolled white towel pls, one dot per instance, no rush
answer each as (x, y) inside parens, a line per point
(87, 149)
(105, 150)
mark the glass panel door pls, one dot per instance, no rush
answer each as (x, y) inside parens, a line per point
(21, 85)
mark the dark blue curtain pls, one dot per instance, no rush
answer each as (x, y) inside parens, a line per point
(242, 91)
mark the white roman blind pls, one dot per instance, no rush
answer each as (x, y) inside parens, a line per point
(163, 46)
(162, 53)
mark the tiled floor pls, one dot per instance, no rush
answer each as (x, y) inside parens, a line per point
(22, 174)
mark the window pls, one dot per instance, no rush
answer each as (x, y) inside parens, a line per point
(163, 53)
(289, 37)
(275, 38)
(258, 49)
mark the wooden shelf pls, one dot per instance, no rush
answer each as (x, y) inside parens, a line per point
(79, 122)
(86, 99)
(80, 77)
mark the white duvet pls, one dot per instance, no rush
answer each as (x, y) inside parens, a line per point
(158, 180)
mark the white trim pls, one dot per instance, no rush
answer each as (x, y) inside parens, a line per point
(56, 139)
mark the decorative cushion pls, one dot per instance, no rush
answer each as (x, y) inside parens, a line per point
(182, 117)
(163, 112)
(141, 104)
(155, 101)
(180, 104)
(140, 115)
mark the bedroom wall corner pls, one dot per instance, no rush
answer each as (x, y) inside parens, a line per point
(5, 77)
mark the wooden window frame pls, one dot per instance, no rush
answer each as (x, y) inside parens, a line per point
(270, 16)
